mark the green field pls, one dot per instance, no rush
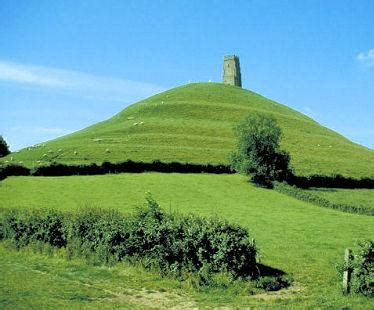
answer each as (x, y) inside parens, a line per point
(194, 123)
(355, 197)
(304, 240)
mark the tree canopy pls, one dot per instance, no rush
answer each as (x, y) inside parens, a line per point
(258, 152)
(4, 150)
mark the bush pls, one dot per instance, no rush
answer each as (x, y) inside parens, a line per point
(13, 170)
(171, 243)
(258, 153)
(362, 279)
(322, 202)
(25, 227)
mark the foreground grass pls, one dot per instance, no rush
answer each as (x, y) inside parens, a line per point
(299, 238)
(194, 123)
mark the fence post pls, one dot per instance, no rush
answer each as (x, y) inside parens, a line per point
(347, 272)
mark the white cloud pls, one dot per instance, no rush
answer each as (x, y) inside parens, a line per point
(367, 59)
(74, 82)
(41, 130)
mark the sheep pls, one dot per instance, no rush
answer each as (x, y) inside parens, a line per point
(75, 152)
(135, 124)
(107, 151)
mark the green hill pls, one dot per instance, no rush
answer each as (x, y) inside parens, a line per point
(194, 123)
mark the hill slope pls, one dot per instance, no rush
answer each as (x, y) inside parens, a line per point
(194, 123)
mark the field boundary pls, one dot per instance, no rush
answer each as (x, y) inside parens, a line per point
(129, 166)
(301, 194)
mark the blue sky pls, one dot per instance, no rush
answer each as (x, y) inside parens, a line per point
(67, 64)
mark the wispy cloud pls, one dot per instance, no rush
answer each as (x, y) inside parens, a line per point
(41, 130)
(75, 82)
(367, 59)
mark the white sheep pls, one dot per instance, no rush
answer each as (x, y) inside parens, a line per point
(107, 151)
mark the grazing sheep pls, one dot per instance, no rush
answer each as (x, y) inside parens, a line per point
(20, 162)
(98, 140)
(107, 151)
(50, 151)
(141, 123)
(75, 152)
(135, 124)
(59, 150)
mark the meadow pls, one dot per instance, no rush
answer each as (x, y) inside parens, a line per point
(299, 238)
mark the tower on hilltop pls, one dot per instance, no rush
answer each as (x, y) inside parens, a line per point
(231, 71)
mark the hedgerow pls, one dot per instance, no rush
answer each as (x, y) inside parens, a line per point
(129, 166)
(169, 242)
(322, 202)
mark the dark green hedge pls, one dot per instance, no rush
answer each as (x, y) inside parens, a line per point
(309, 197)
(171, 243)
(129, 166)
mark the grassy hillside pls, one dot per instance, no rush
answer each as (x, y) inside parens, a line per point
(302, 239)
(193, 123)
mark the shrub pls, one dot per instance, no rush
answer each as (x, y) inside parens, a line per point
(25, 227)
(13, 170)
(322, 202)
(169, 242)
(362, 279)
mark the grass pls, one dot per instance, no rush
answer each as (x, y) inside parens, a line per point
(299, 238)
(194, 123)
(355, 197)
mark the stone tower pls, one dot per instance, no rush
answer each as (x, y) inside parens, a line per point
(231, 71)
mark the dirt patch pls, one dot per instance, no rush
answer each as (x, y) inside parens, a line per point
(154, 299)
(291, 292)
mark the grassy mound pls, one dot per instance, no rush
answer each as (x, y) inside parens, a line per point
(194, 123)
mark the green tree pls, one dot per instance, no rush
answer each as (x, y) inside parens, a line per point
(258, 153)
(4, 150)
